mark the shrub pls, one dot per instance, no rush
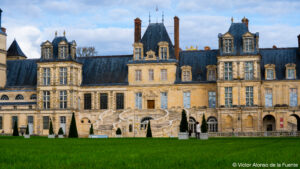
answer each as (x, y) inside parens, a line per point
(16, 131)
(204, 125)
(149, 132)
(60, 131)
(27, 130)
(92, 130)
(118, 132)
(73, 129)
(51, 128)
(183, 122)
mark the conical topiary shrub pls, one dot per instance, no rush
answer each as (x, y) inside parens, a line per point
(16, 131)
(60, 131)
(183, 122)
(92, 130)
(149, 132)
(204, 125)
(27, 130)
(51, 128)
(73, 129)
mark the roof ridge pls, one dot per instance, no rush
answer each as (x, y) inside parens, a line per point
(106, 56)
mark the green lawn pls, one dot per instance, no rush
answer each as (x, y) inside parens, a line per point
(40, 152)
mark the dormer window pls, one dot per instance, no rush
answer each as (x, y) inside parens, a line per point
(228, 45)
(46, 50)
(63, 52)
(138, 51)
(47, 53)
(270, 72)
(163, 50)
(211, 72)
(290, 71)
(186, 73)
(248, 44)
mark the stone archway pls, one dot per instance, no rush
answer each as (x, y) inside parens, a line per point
(294, 122)
(192, 126)
(269, 123)
(212, 123)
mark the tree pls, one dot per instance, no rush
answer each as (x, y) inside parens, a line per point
(73, 129)
(60, 131)
(149, 132)
(118, 132)
(204, 125)
(51, 128)
(86, 51)
(92, 130)
(27, 130)
(16, 131)
(183, 122)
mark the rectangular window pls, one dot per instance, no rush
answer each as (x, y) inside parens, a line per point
(46, 99)
(138, 75)
(227, 45)
(249, 71)
(87, 101)
(164, 75)
(186, 99)
(63, 52)
(164, 100)
(71, 76)
(291, 74)
(30, 119)
(63, 76)
(1, 122)
(120, 100)
(46, 76)
(47, 53)
(268, 98)
(212, 99)
(211, 75)
(228, 71)
(163, 52)
(103, 101)
(248, 44)
(14, 119)
(249, 96)
(138, 53)
(63, 99)
(151, 75)
(138, 100)
(46, 121)
(270, 74)
(186, 75)
(293, 97)
(228, 96)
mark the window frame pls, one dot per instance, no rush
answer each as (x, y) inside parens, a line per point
(63, 99)
(46, 99)
(249, 96)
(151, 74)
(212, 98)
(46, 122)
(228, 71)
(268, 95)
(138, 75)
(293, 97)
(46, 76)
(120, 98)
(228, 97)
(103, 101)
(249, 70)
(63, 75)
(228, 47)
(139, 100)
(87, 101)
(163, 74)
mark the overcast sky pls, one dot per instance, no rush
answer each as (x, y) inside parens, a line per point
(108, 24)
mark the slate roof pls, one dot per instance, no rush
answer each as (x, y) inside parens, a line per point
(21, 73)
(155, 33)
(15, 50)
(237, 30)
(105, 70)
(280, 57)
(198, 60)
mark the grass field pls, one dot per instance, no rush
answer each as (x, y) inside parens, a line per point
(40, 152)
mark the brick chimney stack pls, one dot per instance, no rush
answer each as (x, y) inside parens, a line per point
(137, 30)
(245, 21)
(176, 37)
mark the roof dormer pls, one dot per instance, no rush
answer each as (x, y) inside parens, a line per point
(47, 50)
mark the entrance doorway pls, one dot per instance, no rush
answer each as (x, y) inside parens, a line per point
(30, 124)
(294, 122)
(269, 123)
(192, 126)
(212, 123)
(63, 123)
(150, 104)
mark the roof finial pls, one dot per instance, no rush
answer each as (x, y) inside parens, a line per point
(55, 33)
(231, 19)
(64, 33)
(149, 18)
(162, 17)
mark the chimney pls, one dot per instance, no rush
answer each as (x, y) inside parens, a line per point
(137, 30)
(0, 16)
(176, 37)
(274, 47)
(245, 21)
(206, 48)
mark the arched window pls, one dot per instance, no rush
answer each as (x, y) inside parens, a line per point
(192, 125)
(33, 97)
(19, 97)
(4, 97)
(212, 123)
